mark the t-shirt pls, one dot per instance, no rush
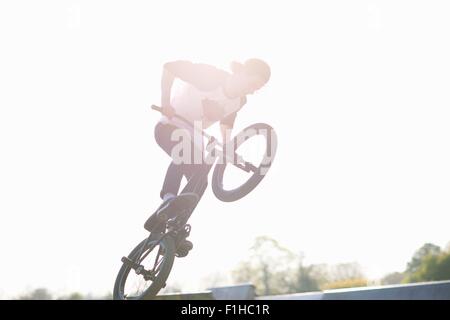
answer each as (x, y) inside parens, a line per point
(204, 108)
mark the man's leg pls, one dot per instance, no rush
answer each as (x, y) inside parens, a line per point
(190, 194)
(172, 181)
(196, 182)
(174, 174)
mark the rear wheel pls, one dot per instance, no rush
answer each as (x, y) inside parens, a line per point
(145, 271)
(256, 169)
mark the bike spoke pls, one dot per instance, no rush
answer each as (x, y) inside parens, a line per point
(135, 289)
(140, 280)
(157, 264)
(147, 252)
(143, 247)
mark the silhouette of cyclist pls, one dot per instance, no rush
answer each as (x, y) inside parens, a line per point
(207, 95)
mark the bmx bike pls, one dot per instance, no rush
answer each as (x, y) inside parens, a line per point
(145, 270)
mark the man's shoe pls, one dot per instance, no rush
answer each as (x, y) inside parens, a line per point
(169, 209)
(184, 201)
(155, 224)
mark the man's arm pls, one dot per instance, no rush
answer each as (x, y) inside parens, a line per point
(167, 79)
(227, 124)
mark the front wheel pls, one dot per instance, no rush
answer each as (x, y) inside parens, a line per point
(263, 149)
(145, 271)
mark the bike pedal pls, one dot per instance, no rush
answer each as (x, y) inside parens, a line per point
(129, 263)
(184, 248)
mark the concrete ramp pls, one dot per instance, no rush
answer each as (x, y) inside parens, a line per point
(417, 291)
(206, 295)
(244, 291)
(439, 290)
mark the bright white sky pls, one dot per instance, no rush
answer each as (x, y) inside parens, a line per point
(358, 97)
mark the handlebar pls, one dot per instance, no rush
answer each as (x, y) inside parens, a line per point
(246, 166)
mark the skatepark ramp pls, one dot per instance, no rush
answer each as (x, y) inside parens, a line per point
(438, 290)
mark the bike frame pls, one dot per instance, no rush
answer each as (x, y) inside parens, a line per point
(194, 184)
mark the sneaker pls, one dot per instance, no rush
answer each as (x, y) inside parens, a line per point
(173, 206)
(169, 210)
(155, 224)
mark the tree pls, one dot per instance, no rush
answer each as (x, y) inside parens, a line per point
(346, 271)
(307, 281)
(393, 278)
(442, 271)
(343, 275)
(432, 268)
(72, 296)
(271, 268)
(424, 251)
(37, 294)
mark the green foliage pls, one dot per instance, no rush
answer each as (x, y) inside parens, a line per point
(37, 294)
(345, 271)
(429, 263)
(433, 267)
(274, 270)
(305, 279)
(269, 267)
(347, 283)
(343, 275)
(426, 250)
(72, 296)
(393, 278)
(44, 294)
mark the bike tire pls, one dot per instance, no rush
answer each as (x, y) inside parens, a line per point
(256, 178)
(169, 245)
